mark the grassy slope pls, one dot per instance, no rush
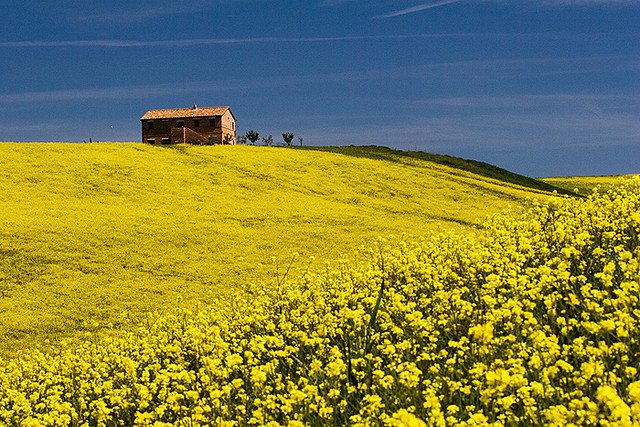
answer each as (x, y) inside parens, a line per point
(92, 234)
(584, 184)
(417, 157)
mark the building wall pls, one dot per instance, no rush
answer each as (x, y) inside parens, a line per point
(161, 129)
(228, 124)
(218, 126)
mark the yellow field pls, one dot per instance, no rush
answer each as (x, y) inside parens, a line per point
(585, 184)
(92, 235)
(533, 320)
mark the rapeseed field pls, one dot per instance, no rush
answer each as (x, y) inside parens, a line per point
(584, 185)
(96, 236)
(534, 319)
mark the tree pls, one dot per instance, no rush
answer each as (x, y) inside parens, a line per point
(242, 139)
(267, 140)
(300, 140)
(252, 136)
(213, 139)
(228, 139)
(288, 137)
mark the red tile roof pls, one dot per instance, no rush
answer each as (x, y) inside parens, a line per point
(175, 113)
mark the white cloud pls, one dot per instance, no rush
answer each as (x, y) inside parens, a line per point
(139, 14)
(528, 101)
(158, 10)
(418, 8)
(438, 3)
(584, 2)
(439, 72)
(121, 43)
(335, 2)
(114, 43)
(115, 93)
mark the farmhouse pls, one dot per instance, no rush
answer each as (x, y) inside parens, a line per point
(195, 125)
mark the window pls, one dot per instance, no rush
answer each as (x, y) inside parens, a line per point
(151, 141)
(150, 125)
(165, 140)
(196, 123)
(180, 123)
(212, 122)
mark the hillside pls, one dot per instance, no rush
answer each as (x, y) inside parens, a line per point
(531, 321)
(95, 234)
(417, 157)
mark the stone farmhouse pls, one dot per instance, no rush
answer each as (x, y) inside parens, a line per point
(195, 125)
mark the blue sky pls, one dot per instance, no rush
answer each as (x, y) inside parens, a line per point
(540, 87)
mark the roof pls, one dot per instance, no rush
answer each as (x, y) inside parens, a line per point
(176, 113)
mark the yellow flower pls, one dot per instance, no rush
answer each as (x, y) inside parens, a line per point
(404, 418)
(234, 360)
(609, 396)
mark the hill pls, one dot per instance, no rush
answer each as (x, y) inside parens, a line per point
(409, 157)
(97, 234)
(530, 321)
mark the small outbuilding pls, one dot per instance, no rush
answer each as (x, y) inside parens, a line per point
(195, 125)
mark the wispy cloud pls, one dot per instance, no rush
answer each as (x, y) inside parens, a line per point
(159, 9)
(418, 8)
(142, 13)
(335, 2)
(114, 93)
(131, 43)
(114, 43)
(583, 2)
(442, 71)
(132, 15)
(438, 3)
(121, 43)
(586, 101)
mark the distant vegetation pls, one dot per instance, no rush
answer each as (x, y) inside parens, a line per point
(252, 137)
(288, 137)
(534, 320)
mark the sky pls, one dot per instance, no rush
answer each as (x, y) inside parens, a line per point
(539, 87)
